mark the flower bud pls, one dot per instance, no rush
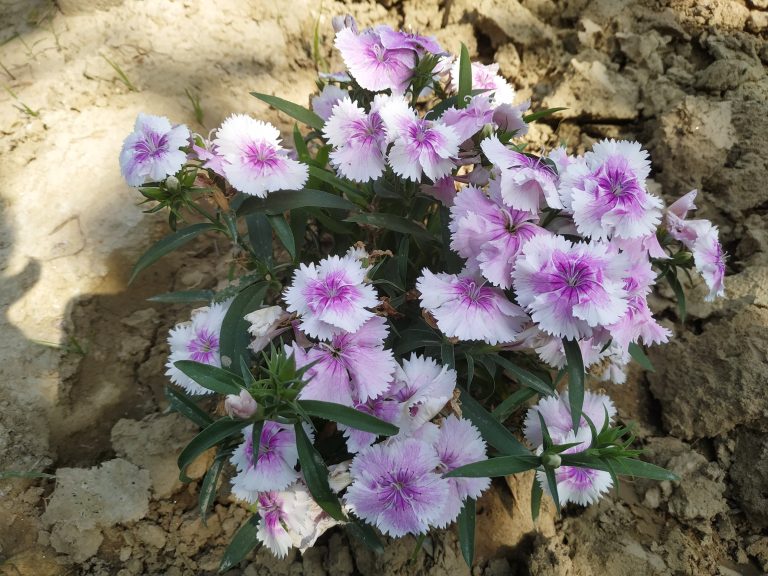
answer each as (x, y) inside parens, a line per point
(242, 406)
(264, 324)
(551, 460)
(172, 183)
(341, 22)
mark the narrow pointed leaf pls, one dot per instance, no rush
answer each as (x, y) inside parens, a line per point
(552, 484)
(338, 183)
(293, 110)
(283, 231)
(207, 438)
(169, 244)
(394, 223)
(183, 297)
(679, 292)
(210, 485)
(512, 403)
(316, 475)
(366, 534)
(541, 114)
(211, 377)
(260, 235)
(348, 416)
(465, 78)
(466, 524)
(243, 542)
(494, 467)
(181, 403)
(575, 379)
(620, 466)
(523, 376)
(640, 357)
(491, 429)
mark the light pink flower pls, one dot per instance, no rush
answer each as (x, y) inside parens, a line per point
(607, 192)
(383, 408)
(443, 190)
(152, 151)
(509, 118)
(323, 103)
(396, 487)
(273, 468)
(240, 406)
(350, 369)
(485, 77)
(466, 308)
(422, 387)
(420, 146)
(709, 259)
(556, 412)
(253, 160)
(524, 180)
(470, 120)
(459, 444)
(196, 340)
(374, 66)
(489, 234)
(331, 297)
(359, 140)
(570, 289)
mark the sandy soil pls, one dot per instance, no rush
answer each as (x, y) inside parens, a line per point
(82, 353)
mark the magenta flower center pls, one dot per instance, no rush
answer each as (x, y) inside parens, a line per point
(333, 289)
(261, 154)
(152, 147)
(617, 181)
(573, 275)
(398, 489)
(204, 346)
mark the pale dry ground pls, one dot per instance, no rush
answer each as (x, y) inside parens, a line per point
(685, 78)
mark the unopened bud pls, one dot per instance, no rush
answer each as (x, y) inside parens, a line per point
(172, 183)
(341, 22)
(242, 406)
(551, 460)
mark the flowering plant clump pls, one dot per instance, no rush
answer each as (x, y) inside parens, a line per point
(431, 278)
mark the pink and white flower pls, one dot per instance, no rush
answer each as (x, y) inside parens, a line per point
(323, 103)
(509, 118)
(265, 325)
(570, 289)
(709, 259)
(352, 368)
(489, 234)
(383, 408)
(422, 387)
(420, 146)
(442, 190)
(373, 65)
(273, 468)
(359, 140)
(556, 412)
(253, 160)
(152, 151)
(525, 181)
(396, 487)
(466, 308)
(241, 406)
(607, 192)
(458, 444)
(486, 77)
(196, 340)
(331, 297)
(470, 120)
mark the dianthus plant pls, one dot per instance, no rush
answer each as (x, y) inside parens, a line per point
(405, 279)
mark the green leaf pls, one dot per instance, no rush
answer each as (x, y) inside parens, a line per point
(679, 292)
(293, 110)
(640, 357)
(492, 430)
(333, 180)
(243, 542)
(183, 297)
(234, 339)
(169, 244)
(4, 475)
(394, 223)
(298, 223)
(413, 338)
(366, 534)
(552, 484)
(512, 403)
(620, 466)
(260, 235)
(541, 114)
(536, 494)
(441, 107)
(466, 522)
(316, 475)
(348, 416)
(523, 376)
(575, 379)
(300, 145)
(181, 403)
(284, 200)
(210, 484)
(211, 377)
(447, 355)
(283, 230)
(465, 78)
(210, 436)
(494, 467)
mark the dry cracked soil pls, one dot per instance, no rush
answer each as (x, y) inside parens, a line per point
(82, 354)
